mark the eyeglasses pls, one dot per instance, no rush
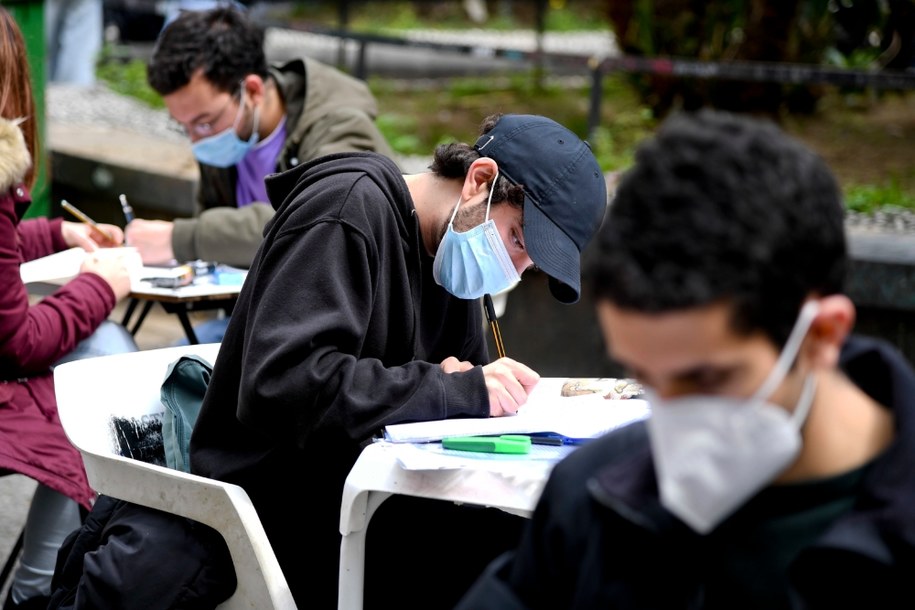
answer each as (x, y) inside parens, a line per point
(205, 129)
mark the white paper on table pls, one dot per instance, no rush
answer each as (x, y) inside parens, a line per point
(61, 267)
(546, 410)
(58, 267)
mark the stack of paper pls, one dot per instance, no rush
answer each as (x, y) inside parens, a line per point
(575, 417)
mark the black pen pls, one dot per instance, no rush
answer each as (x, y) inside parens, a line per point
(494, 325)
(128, 211)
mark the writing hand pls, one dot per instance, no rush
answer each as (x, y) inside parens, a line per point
(508, 383)
(152, 239)
(78, 234)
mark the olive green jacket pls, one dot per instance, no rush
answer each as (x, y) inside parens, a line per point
(327, 112)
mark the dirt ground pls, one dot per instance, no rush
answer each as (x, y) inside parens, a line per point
(866, 140)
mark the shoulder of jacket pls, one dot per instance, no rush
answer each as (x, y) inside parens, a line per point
(14, 156)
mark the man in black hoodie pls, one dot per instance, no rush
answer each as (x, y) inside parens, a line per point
(361, 309)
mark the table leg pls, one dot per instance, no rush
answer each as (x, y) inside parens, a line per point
(186, 324)
(128, 313)
(146, 307)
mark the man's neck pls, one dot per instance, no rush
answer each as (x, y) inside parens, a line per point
(273, 110)
(845, 430)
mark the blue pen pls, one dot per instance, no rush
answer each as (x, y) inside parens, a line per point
(128, 211)
(552, 438)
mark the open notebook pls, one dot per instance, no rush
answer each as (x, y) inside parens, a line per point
(547, 411)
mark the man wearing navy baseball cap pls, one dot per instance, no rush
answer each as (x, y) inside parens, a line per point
(361, 309)
(565, 193)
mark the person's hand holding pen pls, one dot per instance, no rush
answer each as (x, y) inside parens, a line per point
(508, 383)
(78, 234)
(152, 239)
(88, 234)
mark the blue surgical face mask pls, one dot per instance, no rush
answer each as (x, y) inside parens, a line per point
(474, 263)
(225, 148)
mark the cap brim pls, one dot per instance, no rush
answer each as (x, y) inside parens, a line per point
(553, 252)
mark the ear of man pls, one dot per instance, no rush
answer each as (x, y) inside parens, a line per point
(480, 175)
(831, 326)
(255, 88)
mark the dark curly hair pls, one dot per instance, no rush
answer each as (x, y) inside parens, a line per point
(720, 207)
(454, 160)
(221, 42)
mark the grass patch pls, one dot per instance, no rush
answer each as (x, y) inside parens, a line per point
(127, 78)
(868, 198)
(394, 17)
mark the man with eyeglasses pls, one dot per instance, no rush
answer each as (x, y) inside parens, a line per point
(246, 120)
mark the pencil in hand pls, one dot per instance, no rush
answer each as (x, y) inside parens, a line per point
(84, 218)
(494, 325)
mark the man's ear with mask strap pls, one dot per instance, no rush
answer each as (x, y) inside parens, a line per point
(831, 326)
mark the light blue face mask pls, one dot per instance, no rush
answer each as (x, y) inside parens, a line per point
(225, 148)
(474, 263)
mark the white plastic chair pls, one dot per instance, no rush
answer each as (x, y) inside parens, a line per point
(91, 391)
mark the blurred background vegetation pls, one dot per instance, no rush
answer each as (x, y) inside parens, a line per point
(864, 134)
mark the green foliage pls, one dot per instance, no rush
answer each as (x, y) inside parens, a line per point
(573, 17)
(868, 198)
(416, 119)
(859, 59)
(394, 17)
(127, 78)
(400, 132)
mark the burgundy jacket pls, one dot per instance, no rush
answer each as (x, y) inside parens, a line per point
(33, 337)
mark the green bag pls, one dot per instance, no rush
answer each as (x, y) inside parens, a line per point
(182, 394)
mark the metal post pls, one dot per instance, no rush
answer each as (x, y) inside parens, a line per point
(597, 92)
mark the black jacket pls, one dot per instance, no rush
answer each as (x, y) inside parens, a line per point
(338, 331)
(600, 538)
(128, 557)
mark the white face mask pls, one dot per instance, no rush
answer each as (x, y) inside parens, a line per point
(712, 453)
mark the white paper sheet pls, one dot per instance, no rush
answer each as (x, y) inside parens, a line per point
(576, 417)
(60, 267)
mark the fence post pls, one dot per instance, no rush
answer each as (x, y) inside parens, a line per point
(597, 93)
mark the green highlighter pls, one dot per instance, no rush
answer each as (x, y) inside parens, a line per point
(507, 443)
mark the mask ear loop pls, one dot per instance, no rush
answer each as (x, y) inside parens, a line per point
(241, 105)
(488, 202)
(792, 347)
(492, 190)
(454, 213)
(804, 402)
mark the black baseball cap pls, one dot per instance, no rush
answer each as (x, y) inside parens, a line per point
(565, 193)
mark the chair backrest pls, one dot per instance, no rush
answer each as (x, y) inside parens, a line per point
(93, 392)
